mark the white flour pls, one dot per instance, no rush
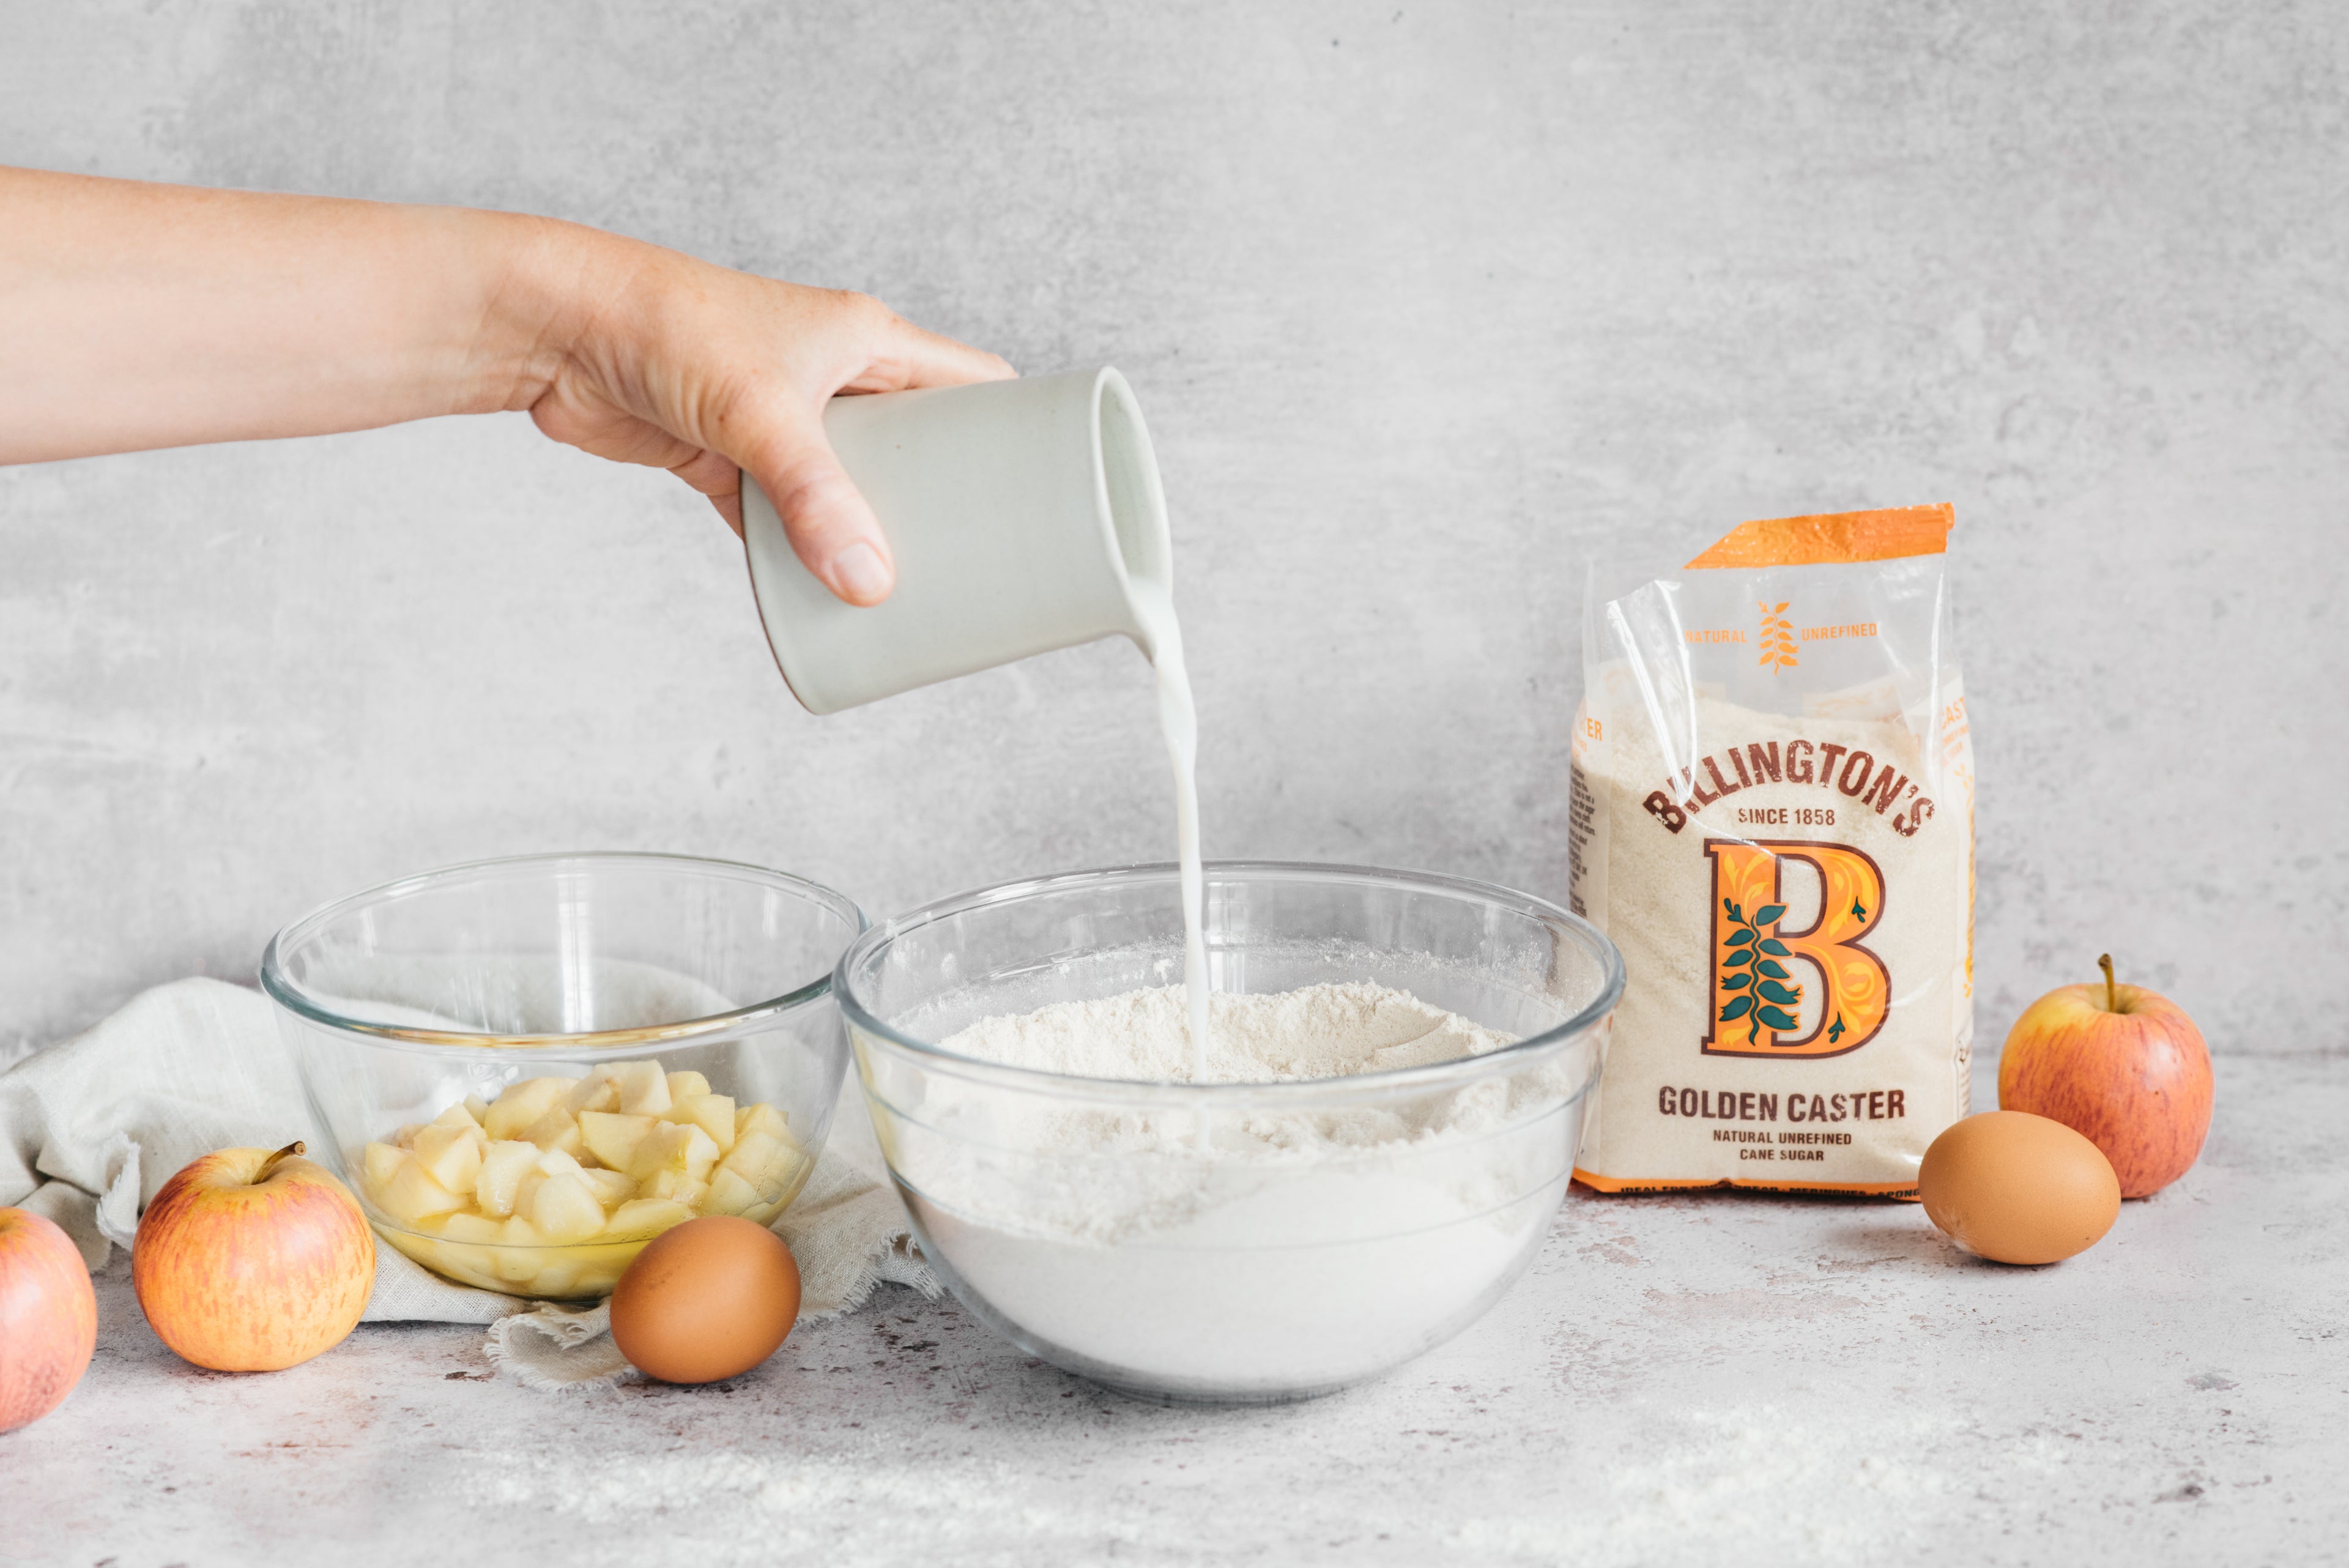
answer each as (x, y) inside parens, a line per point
(1321, 1031)
(1291, 1247)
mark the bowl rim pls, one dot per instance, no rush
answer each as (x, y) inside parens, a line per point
(288, 993)
(861, 1019)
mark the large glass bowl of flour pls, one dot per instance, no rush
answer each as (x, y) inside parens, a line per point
(1393, 1095)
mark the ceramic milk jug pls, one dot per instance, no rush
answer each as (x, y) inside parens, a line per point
(1022, 515)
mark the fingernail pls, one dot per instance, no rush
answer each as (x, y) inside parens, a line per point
(859, 574)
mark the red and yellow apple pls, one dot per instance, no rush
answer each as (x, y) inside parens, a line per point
(250, 1262)
(2121, 1065)
(48, 1317)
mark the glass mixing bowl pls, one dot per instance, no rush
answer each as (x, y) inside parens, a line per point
(526, 1069)
(1246, 1242)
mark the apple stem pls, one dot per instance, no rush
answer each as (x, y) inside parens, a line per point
(270, 1163)
(2112, 991)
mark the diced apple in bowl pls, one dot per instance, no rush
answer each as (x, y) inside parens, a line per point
(504, 1165)
(713, 1114)
(612, 1137)
(644, 1088)
(611, 1187)
(523, 1103)
(564, 1210)
(551, 1187)
(646, 1218)
(478, 1230)
(679, 1146)
(412, 1194)
(677, 1186)
(598, 1090)
(452, 1155)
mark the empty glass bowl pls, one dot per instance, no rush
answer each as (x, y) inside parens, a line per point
(526, 1069)
(1231, 1242)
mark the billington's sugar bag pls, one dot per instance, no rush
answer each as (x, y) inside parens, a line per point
(1773, 817)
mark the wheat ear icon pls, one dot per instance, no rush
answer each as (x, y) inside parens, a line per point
(1777, 636)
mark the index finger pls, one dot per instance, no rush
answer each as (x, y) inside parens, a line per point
(905, 356)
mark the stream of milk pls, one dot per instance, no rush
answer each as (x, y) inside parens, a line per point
(1179, 717)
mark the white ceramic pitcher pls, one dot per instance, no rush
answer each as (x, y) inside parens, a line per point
(1022, 514)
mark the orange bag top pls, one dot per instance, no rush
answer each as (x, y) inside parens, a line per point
(1832, 538)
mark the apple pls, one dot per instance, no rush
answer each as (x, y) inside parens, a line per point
(48, 1317)
(251, 1261)
(2121, 1065)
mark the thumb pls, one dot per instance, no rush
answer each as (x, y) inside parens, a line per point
(830, 526)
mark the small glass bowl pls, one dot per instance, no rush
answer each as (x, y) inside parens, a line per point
(1231, 1242)
(445, 990)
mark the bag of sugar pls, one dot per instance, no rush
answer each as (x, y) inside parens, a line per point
(1773, 817)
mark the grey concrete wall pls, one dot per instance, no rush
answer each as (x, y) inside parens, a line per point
(1426, 305)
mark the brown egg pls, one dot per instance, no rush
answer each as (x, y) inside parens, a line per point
(2018, 1189)
(709, 1299)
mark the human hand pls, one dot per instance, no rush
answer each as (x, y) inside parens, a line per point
(654, 357)
(240, 316)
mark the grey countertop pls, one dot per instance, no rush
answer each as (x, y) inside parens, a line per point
(1676, 1380)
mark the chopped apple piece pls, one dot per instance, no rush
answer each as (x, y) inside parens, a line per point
(763, 1118)
(676, 1186)
(680, 1146)
(475, 1230)
(504, 1166)
(612, 1138)
(554, 1278)
(452, 1153)
(477, 1107)
(713, 1114)
(611, 1187)
(411, 1195)
(556, 1129)
(523, 1103)
(406, 1136)
(685, 1086)
(519, 1268)
(644, 1090)
(380, 1160)
(645, 1216)
(556, 1162)
(455, 1115)
(766, 1163)
(701, 1154)
(730, 1194)
(598, 1090)
(564, 1210)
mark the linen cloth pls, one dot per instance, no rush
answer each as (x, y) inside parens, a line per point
(91, 1127)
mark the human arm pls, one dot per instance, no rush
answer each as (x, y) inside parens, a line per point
(136, 316)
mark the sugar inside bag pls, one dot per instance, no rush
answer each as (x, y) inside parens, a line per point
(1773, 817)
